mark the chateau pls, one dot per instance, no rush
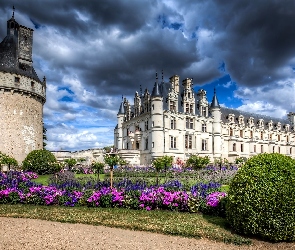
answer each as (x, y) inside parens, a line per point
(22, 94)
(174, 120)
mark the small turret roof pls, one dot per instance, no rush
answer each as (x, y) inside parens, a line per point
(121, 109)
(215, 103)
(156, 90)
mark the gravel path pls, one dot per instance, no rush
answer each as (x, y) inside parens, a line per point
(17, 233)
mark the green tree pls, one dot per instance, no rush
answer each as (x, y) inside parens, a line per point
(70, 163)
(197, 162)
(7, 160)
(41, 161)
(111, 160)
(98, 167)
(162, 163)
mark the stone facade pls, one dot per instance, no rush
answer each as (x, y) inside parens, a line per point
(22, 94)
(89, 155)
(176, 121)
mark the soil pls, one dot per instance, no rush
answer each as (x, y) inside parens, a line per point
(23, 234)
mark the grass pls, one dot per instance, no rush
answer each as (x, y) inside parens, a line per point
(164, 222)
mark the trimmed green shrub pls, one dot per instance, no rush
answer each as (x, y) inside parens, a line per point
(41, 162)
(261, 198)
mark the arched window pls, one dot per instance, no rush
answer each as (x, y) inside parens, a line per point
(234, 147)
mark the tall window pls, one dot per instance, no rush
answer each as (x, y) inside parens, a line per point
(242, 147)
(146, 144)
(261, 149)
(187, 108)
(234, 147)
(279, 150)
(251, 134)
(204, 127)
(137, 145)
(254, 149)
(173, 123)
(241, 133)
(231, 132)
(188, 141)
(279, 137)
(261, 135)
(287, 139)
(204, 113)
(204, 145)
(172, 142)
(189, 123)
(273, 149)
(270, 136)
(290, 151)
(172, 106)
(153, 144)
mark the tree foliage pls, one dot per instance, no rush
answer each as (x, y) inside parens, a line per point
(197, 162)
(261, 198)
(70, 162)
(8, 160)
(41, 161)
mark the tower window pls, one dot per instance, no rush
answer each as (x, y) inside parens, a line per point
(172, 142)
(234, 147)
(204, 145)
(16, 79)
(188, 141)
(204, 127)
(173, 123)
(32, 85)
(242, 147)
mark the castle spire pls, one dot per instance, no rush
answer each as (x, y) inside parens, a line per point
(156, 77)
(13, 9)
(162, 75)
(215, 103)
(121, 109)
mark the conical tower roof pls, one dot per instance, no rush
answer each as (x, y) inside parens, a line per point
(215, 103)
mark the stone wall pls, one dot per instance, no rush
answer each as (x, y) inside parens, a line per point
(21, 117)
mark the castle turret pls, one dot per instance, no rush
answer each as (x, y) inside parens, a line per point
(120, 118)
(22, 94)
(216, 133)
(157, 138)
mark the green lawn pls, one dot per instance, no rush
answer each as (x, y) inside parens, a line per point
(191, 225)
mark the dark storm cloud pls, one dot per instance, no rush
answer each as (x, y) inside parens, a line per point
(256, 39)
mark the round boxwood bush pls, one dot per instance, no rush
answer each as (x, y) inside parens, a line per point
(41, 161)
(261, 198)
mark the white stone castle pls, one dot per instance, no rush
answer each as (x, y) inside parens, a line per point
(176, 121)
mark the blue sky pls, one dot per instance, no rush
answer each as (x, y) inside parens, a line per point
(93, 52)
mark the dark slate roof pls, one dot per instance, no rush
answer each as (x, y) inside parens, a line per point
(9, 62)
(215, 103)
(226, 111)
(121, 109)
(156, 90)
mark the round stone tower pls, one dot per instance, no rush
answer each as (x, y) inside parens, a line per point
(22, 94)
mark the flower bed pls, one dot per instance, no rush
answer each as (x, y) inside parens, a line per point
(17, 187)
